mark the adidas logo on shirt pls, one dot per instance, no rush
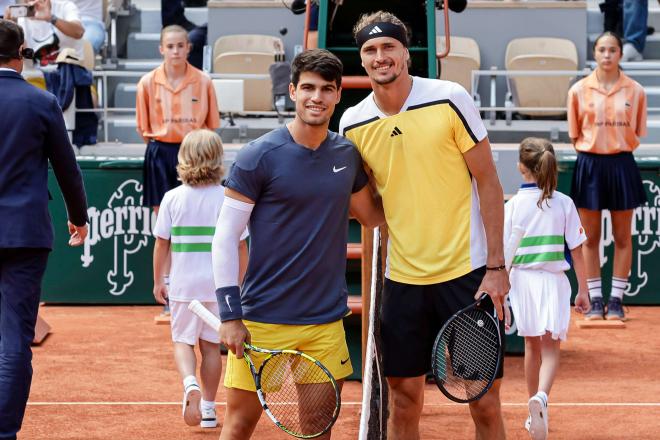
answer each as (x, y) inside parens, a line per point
(396, 132)
(376, 30)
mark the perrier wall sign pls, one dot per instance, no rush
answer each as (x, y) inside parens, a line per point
(115, 263)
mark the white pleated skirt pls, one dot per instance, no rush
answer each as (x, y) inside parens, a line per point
(541, 302)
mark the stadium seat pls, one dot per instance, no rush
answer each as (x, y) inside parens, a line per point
(249, 53)
(463, 58)
(258, 94)
(248, 43)
(229, 94)
(540, 91)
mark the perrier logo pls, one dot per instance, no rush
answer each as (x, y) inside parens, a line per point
(645, 238)
(128, 224)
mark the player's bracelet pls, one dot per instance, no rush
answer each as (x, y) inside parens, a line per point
(498, 268)
(229, 302)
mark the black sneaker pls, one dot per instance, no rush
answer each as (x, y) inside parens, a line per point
(615, 310)
(597, 310)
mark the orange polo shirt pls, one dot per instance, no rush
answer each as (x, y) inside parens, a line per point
(606, 122)
(167, 114)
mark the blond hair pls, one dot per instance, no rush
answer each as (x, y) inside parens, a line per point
(538, 156)
(200, 158)
(173, 28)
(378, 16)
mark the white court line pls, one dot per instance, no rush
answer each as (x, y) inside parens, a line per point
(511, 404)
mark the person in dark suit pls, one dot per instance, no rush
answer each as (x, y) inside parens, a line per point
(33, 133)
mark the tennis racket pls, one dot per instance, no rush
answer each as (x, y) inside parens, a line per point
(296, 391)
(467, 352)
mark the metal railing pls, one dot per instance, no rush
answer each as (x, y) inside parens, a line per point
(494, 73)
(102, 88)
(491, 110)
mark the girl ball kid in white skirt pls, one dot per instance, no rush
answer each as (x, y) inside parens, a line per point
(540, 292)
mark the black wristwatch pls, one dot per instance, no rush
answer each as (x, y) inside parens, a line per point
(53, 19)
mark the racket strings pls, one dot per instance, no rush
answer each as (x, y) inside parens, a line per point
(466, 357)
(299, 394)
(465, 361)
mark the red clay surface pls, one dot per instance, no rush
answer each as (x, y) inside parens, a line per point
(99, 358)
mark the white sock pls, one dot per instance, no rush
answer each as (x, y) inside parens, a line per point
(189, 380)
(594, 285)
(619, 284)
(543, 396)
(206, 405)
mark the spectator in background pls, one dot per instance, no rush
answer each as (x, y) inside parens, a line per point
(91, 14)
(635, 18)
(606, 118)
(56, 25)
(173, 12)
(628, 18)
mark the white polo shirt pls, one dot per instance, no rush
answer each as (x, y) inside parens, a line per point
(187, 217)
(547, 229)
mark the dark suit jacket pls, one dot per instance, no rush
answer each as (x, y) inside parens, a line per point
(32, 132)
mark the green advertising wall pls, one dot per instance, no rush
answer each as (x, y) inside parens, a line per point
(114, 265)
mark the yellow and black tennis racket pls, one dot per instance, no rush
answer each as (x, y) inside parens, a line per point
(296, 391)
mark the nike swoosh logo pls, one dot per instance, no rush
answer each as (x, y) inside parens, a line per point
(227, 301)
(336, 170)
(344, 361)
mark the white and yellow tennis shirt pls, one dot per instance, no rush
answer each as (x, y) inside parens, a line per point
(430, 199)
(546, 229)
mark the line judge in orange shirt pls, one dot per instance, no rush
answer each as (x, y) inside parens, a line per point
(606, 118)
(172, 100)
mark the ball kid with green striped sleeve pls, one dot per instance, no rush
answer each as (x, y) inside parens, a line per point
(547, 229)
(187, 218)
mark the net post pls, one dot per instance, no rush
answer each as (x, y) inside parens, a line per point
(367, 253)
(367, 238)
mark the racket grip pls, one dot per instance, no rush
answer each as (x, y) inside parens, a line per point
(198, 309)
(512, 245)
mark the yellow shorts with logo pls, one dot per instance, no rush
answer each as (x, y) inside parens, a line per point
(324, 342)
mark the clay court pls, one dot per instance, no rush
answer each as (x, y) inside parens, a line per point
(108, 373)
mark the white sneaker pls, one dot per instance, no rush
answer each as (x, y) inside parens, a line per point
(630, 53)
(191, 398)
(209, 419)
(538, 412)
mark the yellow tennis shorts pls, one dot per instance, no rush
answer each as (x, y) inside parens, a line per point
(324, 342)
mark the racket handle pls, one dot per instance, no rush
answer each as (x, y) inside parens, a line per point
(512, 245)
(198, 309)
